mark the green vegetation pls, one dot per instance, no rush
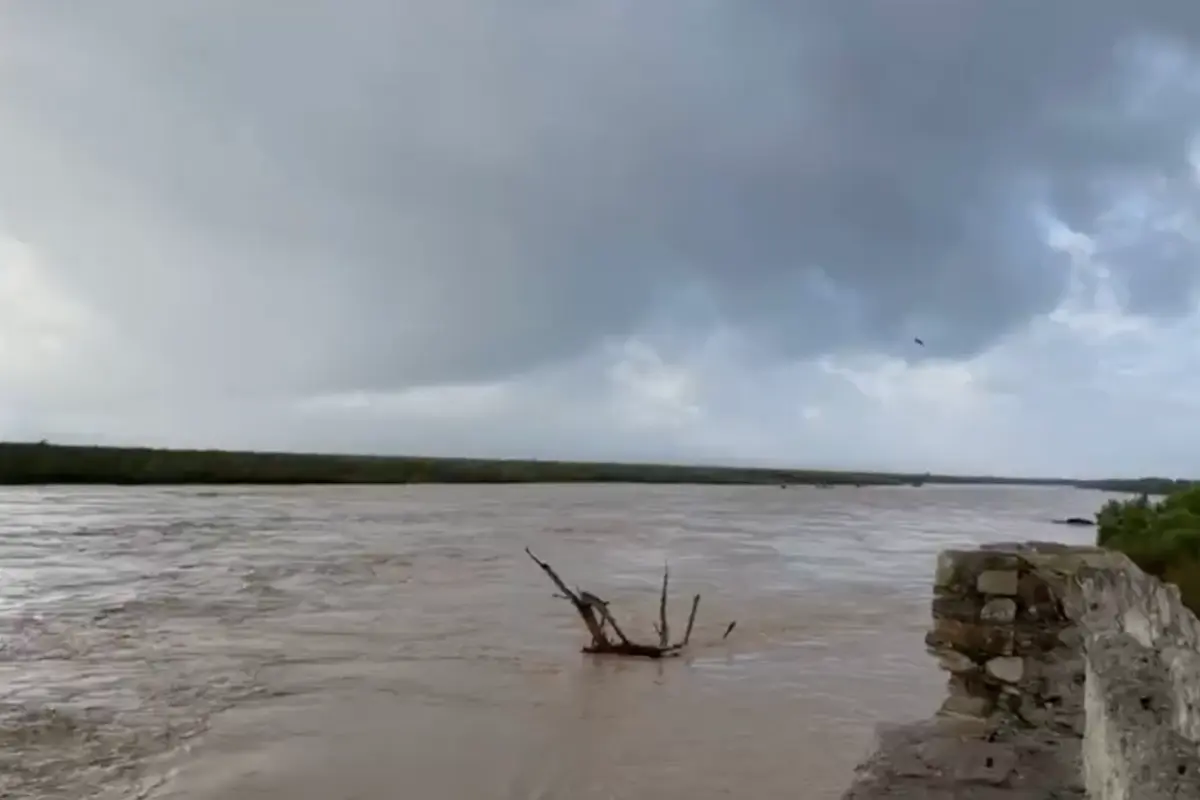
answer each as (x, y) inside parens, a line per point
(1148, 486)
(1161, 536)
(42, 463)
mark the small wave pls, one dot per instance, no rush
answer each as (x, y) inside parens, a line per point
(49, 752)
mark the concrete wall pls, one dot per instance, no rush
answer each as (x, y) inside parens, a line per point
(1142, 700)
(1079, 674)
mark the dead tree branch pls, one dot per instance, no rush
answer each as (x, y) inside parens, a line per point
(687, 635)
(664, 630)
(596, 615)
(584, 609)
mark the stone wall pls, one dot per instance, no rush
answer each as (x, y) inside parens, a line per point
(1071, 674)
(1001, 630)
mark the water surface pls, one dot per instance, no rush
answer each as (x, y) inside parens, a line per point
(363, 643)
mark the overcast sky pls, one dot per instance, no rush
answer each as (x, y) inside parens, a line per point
(677, 230)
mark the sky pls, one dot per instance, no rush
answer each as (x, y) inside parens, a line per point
(704, 231)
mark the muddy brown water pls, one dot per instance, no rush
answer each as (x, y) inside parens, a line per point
(368, 643)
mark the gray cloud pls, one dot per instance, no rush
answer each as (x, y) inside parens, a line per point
(384, 193)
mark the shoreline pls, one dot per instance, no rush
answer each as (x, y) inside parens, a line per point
(42, 463)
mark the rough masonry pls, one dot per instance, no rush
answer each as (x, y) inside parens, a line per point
(1072, 674)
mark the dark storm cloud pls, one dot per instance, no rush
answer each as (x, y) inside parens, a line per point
(379, 193)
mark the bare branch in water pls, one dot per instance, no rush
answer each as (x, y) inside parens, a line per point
(596, 615)
(687, 635)
(664, 630)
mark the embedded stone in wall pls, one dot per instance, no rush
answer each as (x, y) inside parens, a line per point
(1002, 610)
(1008, 669)
(998, 582)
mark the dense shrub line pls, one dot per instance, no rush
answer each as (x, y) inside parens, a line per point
(1162, 536)
(42, 463)
(22, 463)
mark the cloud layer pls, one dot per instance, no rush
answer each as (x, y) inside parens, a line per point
(701, 231)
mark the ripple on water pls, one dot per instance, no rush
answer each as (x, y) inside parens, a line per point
(146, 628)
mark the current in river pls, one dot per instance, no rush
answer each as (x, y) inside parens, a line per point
(371, 643)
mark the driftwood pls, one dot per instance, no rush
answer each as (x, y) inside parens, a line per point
(596, 616)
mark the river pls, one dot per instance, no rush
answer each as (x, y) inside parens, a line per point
(369, 643)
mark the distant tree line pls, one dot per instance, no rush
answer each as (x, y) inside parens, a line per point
(46, 463)
(42, 463)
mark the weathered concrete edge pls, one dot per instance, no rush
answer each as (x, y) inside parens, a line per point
(1142, 686)
(1131, 745)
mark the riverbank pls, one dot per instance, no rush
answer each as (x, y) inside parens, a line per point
(44, 463)
(1072, 675)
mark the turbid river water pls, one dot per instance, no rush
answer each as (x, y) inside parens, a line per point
(370, 643)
